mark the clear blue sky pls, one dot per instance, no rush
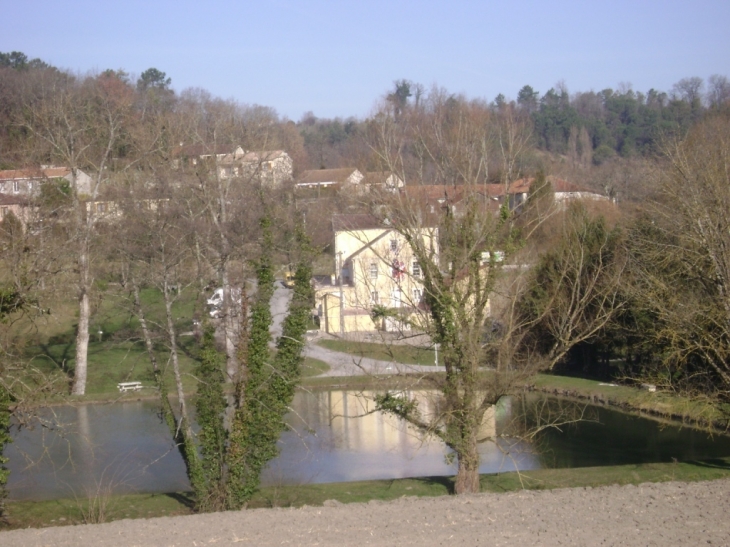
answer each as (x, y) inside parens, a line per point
(337, 57)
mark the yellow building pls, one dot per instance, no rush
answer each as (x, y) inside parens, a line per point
(374, 267)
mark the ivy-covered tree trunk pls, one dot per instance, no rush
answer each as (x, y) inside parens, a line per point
(4, 439)
(238, 436)
(269, 383)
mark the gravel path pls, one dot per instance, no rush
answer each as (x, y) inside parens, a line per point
(664, 514)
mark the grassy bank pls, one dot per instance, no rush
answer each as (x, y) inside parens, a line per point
(670, 406)
(79, 511)
(399, 353)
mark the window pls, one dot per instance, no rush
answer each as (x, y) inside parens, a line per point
(417, 296)
(394, 245)
(3, 212)
(397, 298)
(100, 207)
(373, 270)
(16, 186)
(374, 301)
(416, 269)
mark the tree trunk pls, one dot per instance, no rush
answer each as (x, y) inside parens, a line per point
(82, 345)
(467, 477)
(172, 336)
(145, 329)
(229, 325)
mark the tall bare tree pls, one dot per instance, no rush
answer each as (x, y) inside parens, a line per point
(80, 123)
(682, 262)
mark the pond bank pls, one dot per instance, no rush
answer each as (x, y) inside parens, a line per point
(658, 405)
(111, 508)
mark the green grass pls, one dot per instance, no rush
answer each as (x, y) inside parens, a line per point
(69, 511)
(119, 354)
(398, 353)
(313, 367)
(669, 405)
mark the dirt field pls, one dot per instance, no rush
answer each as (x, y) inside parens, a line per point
(664, 514)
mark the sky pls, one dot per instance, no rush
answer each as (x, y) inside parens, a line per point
(338, 58)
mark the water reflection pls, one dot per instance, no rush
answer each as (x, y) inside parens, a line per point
(334, 436)
(337, 436)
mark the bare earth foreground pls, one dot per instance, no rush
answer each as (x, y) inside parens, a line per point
(649, 514)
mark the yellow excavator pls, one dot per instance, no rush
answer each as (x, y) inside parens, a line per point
(289, 279)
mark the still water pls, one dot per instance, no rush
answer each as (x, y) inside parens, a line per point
(335, 436)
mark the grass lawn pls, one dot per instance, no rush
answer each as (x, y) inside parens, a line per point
(313, 367)
(398, 353)
(669, 405)
(119, 354)
(72, 511)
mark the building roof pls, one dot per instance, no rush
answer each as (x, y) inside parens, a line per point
(263, 155)
(13, 199)
(354, 222)
(318, 176)
(559, 185)
(34, 173)
(190, 150)
(380, 177)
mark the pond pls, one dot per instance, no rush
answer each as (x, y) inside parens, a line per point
(335, 437)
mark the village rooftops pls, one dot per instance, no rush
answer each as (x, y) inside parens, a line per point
(35, 173)
(329, 177)
(203, 150)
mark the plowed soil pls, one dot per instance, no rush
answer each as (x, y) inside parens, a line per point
(663, 514)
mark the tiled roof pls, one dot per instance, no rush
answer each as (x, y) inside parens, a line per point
(191, 150)
(315, 176)
(11, 199)
(263, 155)
(377, 177)
(559, 185)
(33, 173)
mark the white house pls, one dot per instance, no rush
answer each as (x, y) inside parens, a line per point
(374, 267)
(270, 167)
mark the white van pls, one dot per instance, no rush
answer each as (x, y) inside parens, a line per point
(215, 302)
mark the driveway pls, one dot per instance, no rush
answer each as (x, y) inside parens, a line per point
(341, 364)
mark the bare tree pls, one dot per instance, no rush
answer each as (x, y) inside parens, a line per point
(682, 262)
(719, 90)
(689, 89)
(79, 123)
(467, 291)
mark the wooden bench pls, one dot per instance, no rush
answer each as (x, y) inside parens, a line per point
(129, 386)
